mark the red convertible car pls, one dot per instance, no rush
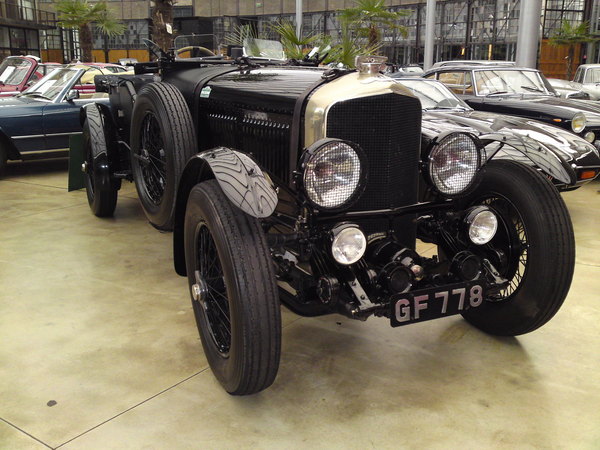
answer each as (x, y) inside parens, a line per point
(17, 73)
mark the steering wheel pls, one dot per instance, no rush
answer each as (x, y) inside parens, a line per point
(195, 51)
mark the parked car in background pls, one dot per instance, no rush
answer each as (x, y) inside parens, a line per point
(17, 73)
(106, 67)
(114, 68)
(411, 70)
(85, 84)
(473, 62)
(128, 62)
(282, 180)
(569, 89)
(37, 122)
(520, 92)
(586, 79)
(566, 158)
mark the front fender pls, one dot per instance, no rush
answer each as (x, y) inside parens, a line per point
(544, 158)
(241, 180)
(103, 107)
(547, 147)
(101, 141)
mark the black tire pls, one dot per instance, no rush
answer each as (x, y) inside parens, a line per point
(239, 317)
(537, 249)
(3, 158)
(101, 191)
(162, 141)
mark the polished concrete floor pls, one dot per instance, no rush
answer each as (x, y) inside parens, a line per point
(99, 350)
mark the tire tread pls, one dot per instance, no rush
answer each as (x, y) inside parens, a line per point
(551, 237)
(260, 311)
(102, 201)
(171, 107)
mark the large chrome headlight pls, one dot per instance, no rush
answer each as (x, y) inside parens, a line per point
(578, 122)
(453, 163)
(333, 173)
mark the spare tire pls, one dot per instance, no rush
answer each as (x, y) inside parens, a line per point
(162, 141)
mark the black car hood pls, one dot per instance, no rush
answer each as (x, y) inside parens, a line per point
(550, 147)
(538, 106)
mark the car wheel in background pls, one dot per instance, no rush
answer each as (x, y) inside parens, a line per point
(162, 141)
(101, 190)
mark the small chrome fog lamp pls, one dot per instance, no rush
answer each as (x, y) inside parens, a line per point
(590, 136)
(349, 244)
(482, 224)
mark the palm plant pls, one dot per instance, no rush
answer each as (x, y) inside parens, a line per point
(243, 35)
(349, 47)
(294, 46)
(240, 34)
(369, 17)
(80, 14)
(571, 35)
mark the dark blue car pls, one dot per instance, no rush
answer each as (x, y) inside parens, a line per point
(37, 123)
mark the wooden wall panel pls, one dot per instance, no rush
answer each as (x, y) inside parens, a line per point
(553, 62)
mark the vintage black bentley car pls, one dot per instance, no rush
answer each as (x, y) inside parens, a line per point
(283, 181)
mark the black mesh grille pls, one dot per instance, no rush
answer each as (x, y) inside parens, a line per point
(268, 141)
(266, 137)
(388, 128)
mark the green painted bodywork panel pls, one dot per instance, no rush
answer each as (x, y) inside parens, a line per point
(76, 159)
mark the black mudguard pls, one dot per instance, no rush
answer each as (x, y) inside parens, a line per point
(240, 178)
(101, 146)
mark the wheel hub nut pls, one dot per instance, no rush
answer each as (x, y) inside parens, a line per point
(199, 291)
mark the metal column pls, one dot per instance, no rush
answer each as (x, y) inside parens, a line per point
(528, 37)
(299, 19)
(429, 34)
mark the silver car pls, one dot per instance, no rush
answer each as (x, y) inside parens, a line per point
(586, 80)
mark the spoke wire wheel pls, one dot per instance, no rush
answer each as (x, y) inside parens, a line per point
(209, 278)
(154, 162)
(234, 292)
(512, 236)
(163, 139)
(534, 248)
